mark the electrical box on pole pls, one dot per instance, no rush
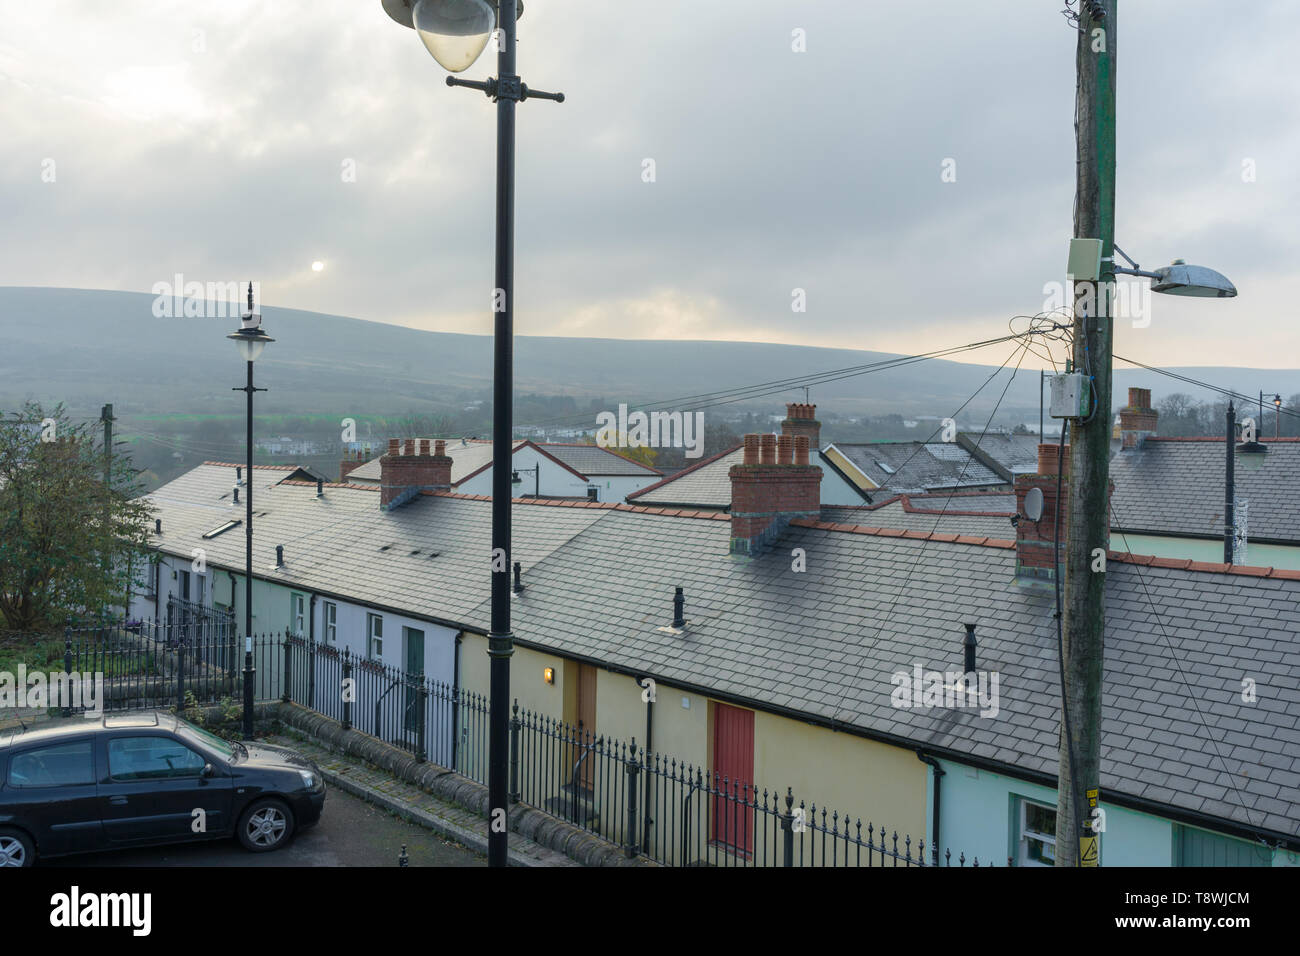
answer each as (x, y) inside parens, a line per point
(1070, 395)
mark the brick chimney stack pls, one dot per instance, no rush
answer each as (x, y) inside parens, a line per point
(802, 420)
(410, 468)
(1034, 539)
(1137, 420)
(352, 461)
(774, 484)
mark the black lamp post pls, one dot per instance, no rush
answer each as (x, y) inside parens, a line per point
(537, 478)
(455, 33)
(250, 340)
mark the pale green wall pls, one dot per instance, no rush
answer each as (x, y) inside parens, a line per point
(1198, 549)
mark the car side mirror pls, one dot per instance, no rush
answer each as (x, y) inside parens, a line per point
(207, 770)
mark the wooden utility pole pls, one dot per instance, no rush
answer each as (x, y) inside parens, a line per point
(1089, 479)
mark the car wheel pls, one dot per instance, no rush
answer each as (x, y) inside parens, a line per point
(16, 848)
(266, 825)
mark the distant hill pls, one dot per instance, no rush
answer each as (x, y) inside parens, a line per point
(87, 347)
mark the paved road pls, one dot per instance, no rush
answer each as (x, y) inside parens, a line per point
(351, 832)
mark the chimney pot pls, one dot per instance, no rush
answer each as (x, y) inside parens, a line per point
(751, 449)
(408, 447)
(424, 446)
(767, 449)
(801, 449)
(784, 450)
(1047, 459)
(394, 446)
(440, 448)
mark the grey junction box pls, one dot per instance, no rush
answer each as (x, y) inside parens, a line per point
(1070, 395)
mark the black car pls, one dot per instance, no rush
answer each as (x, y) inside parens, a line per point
(78, 785)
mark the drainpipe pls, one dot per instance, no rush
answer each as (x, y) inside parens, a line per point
(311, 659)
(938, 776)
(455, 699)
(157, 585)
(649, 749)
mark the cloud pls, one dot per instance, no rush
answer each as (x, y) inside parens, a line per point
(231, 139)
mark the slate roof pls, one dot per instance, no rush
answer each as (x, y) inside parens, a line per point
(594, 461)
(909, 466)
(1175, 486)
(476, 454)
(1008, 455)
(466, 460)
(972, 513)
(822, 645)
(706, 484)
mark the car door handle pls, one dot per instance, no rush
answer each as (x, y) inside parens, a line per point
(117, 801)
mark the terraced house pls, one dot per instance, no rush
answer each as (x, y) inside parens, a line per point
(785, 662)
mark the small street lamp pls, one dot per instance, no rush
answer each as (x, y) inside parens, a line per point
(535, 471)
(455, 33)
(250, 339)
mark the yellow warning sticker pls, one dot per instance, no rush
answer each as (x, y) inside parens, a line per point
(1088, 851)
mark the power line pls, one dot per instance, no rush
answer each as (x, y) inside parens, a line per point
(1249, 399)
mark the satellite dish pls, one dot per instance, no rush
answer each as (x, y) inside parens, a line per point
(1034, 504)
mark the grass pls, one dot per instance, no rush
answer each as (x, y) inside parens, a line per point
(40, 652)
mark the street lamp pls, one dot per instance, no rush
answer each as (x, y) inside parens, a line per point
(250, 339)
(1181, 279)
(535, 471)
(455, 32)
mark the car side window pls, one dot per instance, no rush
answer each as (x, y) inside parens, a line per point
(59, 765)
(151, 758)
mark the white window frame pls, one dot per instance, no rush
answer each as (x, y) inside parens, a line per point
(331, 622)
(1024, 834)
(299, 613)
(375, 636)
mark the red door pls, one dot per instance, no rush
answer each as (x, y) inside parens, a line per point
(733, 775)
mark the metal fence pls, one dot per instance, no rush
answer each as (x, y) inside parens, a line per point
(652, 805)
(147, 664)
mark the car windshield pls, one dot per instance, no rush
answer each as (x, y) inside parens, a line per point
(223, 747)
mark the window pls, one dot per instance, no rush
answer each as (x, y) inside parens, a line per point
(221, 529)
(375, 627)
(184, 578)
(62, 765)
(1037, 835)
(151, 758)
(331, 623)
(298, 614)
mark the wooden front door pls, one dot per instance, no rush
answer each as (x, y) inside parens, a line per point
(586, 725)
(733, 775)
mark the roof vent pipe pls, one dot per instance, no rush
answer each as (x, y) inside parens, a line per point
(679, 609)
(969, 645)
(157, 525)
(519, 586)
(236, 501)
(320, 488)
(279, 556)
(239, 474)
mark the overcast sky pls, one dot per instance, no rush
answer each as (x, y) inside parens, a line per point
(212, 138)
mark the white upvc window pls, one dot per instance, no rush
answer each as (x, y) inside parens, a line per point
(331, 622)
(1037, 838)
(299, 614)
(376, 629)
